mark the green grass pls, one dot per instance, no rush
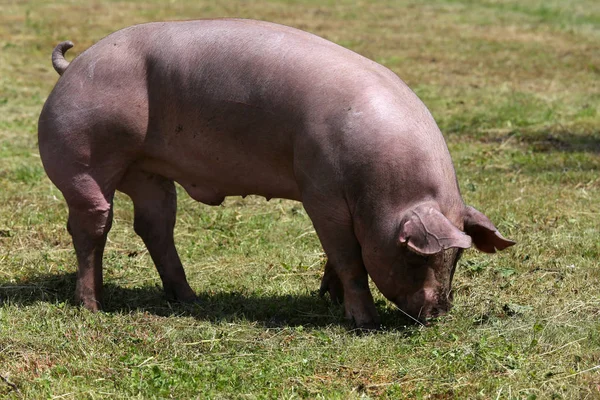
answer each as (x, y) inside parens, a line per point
(514, 85)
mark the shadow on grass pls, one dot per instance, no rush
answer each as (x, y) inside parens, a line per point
(553, 140)
(270, 311)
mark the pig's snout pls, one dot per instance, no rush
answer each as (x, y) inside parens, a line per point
(426, 304)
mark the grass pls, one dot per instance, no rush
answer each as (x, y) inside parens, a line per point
(515, 87)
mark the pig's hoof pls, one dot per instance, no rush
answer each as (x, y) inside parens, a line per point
(368, 328)
(184, 299)
(88, 298)
(183, 295)
(367, 325)
(90, 303)
(335, 294)
(363, 313)
(331, 284)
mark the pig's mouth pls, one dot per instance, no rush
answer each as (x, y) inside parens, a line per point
(426, 305)
(416, 320)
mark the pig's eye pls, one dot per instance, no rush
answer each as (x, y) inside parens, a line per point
(416, 260)
(451, 256)
(459, 254)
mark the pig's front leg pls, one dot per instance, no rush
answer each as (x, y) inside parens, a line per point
(331, 284)
(344, 265)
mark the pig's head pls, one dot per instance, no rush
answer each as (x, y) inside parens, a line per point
(415, 269)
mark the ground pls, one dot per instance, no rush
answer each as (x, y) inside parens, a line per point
(514, 86)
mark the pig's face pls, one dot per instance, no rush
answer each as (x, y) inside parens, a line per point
(415, 270)
(421, 285)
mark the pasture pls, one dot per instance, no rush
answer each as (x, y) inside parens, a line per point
(515, 88)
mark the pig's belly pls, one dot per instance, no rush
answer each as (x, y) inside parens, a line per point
(210, 183)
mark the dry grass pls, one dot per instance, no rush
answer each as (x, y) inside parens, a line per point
(514, 85)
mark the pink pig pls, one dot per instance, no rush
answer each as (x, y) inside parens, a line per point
(236, 107)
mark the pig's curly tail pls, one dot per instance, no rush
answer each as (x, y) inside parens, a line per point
(58, 56)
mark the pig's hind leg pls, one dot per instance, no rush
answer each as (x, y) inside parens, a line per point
(155, 207)
(90, 220)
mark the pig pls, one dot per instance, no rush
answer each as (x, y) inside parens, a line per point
(236, 107)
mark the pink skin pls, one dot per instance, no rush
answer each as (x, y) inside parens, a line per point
(237, 107)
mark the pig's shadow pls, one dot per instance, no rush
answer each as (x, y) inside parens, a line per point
(267, 310)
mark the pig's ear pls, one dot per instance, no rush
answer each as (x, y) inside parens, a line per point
(425, 230)
(484, 234)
